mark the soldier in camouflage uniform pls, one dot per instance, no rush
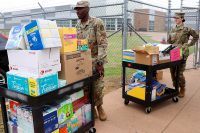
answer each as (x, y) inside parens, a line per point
(179, 36)
(93, 29)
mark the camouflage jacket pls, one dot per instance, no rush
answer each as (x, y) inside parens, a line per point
(95, 32)
(180, 36)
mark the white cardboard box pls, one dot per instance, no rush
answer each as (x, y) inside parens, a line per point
(42, 34)
(35, 62)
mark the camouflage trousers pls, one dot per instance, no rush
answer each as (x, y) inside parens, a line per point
(181, 81)
(98, 86)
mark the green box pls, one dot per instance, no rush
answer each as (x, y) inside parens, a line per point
(65, 111)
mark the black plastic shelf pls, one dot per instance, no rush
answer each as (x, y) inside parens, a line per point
(168, 95)
(46, 98)
(39, 101)
(152, 67)
(150, 70)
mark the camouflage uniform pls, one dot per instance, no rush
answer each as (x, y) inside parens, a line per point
(94, 31)
(179, 36)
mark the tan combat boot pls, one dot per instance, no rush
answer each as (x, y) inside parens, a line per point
(102, 114)
(95, 114)
(181, 92)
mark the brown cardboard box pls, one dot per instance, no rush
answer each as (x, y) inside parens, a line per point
(163, 61)
(143, 57)
(152, 49)
(159, 75)
(75, 66)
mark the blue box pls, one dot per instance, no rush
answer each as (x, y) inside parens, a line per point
(50, 120)
(32, 86)
(17, 83)
(33, 35)
(41, 34)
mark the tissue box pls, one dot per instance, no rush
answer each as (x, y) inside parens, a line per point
(69, 39)
(35, 62)
(50, 119)
(11, 127)
(32, 86)
(42, 34)
(16, 38)
(79, 115)
(25, 120)
(87, 114)
(74, 124)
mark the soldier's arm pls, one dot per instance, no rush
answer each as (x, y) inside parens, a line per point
(169, 39)
(102, 42)
(195, 36)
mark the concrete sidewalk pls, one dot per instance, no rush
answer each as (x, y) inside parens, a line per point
(165, 117)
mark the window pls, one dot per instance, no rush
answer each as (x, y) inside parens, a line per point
(119, 23)
(151, 25)
(110, 24)
(74, 22)
(63, 23)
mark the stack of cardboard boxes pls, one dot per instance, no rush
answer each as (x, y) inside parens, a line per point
(34, 70)
(75, 65)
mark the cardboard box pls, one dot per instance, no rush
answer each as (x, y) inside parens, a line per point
(75, 66)
(68, 37)
(143, 57)
(42, 34)
(35, 62)
(152, 49)
(32, 86)
(25, 119)
(159, 75)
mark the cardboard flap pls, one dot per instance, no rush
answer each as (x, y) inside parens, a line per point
(152, 49)
(141, 51)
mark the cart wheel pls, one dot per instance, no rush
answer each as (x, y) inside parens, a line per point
(148, 110)
(175, 99)
(92, 130)
(126, 102)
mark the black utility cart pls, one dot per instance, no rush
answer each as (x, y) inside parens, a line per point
(38, 102)
(150, 70)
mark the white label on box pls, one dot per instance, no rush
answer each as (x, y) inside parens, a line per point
(154, 59)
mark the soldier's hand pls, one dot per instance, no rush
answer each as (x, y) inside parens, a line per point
(100, 69)
(185, 46)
